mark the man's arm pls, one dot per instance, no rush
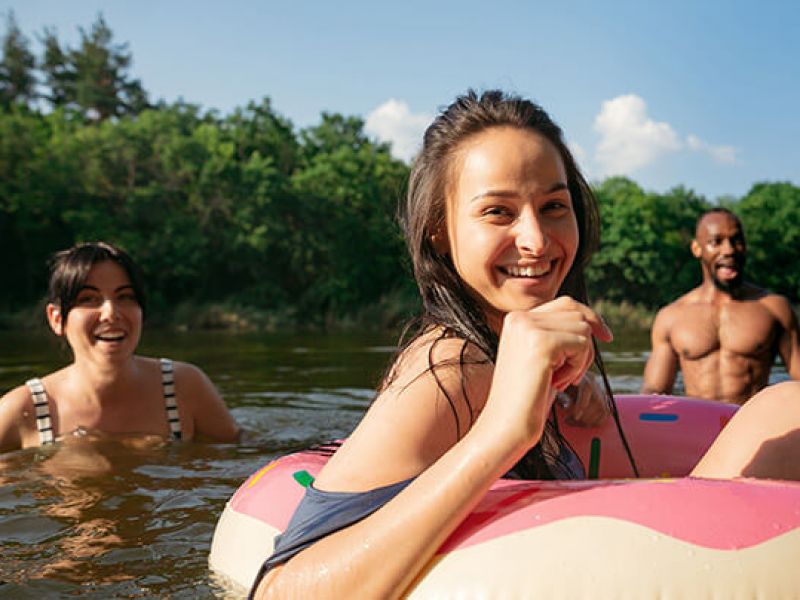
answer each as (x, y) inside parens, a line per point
(789, 342)
(662, 366)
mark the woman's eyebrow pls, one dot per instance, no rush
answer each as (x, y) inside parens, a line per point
(501, 193)
(96, 289)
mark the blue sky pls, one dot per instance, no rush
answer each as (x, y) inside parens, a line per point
(701, 93)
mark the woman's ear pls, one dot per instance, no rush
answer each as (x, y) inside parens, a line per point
(55, 319)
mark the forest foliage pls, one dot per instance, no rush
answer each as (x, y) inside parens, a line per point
(248, 210)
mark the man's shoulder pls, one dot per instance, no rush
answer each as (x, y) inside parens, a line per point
(777, 304)
(683, 312)
(666, 317)
(750, 292)
(681, 303)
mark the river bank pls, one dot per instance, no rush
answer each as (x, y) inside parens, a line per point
(389, 314)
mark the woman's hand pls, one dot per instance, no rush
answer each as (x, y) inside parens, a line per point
(542, 351)
(586, 404)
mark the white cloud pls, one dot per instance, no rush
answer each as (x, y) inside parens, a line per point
(630, 139)
(394, 122)
(724, 155)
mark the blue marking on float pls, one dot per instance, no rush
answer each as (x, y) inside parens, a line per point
(661, 417)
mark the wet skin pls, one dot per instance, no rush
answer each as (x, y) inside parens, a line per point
(108, 390)
(723, 335)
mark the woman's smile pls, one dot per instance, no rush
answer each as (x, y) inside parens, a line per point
(106, 315)
(527, 271)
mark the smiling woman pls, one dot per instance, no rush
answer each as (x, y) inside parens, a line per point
(500, 225)
(96, 302)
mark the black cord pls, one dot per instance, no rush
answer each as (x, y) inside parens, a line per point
(598, 360)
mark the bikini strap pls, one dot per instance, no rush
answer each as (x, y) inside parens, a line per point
(168, 382)
(43, 423)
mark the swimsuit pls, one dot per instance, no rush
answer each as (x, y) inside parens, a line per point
(42, 406)
(322, 513)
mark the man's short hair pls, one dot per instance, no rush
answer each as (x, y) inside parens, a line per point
(714, 211)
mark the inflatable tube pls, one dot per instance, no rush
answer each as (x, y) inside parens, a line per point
(668, 536)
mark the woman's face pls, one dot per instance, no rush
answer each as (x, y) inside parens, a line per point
(105, 321)
(511, 227)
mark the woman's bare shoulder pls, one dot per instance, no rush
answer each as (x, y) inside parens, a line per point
(436, 352)
(17, 418)
(435, 392)
(185, 376)
(17, 399)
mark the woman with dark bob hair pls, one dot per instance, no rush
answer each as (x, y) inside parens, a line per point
(500, 225)
(96, 303)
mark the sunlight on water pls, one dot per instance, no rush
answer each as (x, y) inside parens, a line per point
(124, 519)
(134, 518)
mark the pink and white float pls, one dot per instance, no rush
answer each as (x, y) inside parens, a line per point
(663, 535)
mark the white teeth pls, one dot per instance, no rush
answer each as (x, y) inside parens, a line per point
(110, 336)
(515, 271)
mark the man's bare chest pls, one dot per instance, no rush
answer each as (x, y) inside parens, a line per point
(744, 329)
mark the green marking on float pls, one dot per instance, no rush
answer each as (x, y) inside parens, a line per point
(304, 478)
(594, 458)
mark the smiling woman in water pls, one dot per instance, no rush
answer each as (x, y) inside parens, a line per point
(96, 302)
(500, 225)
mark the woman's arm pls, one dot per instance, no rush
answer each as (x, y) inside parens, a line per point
(12, 414)
(211, 418)
(540, 351)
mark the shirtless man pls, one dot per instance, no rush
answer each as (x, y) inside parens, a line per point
(725, 333)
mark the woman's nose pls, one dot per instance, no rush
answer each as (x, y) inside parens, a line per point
(531, 236)
(108, 309)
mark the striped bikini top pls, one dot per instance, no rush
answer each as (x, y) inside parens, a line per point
(42, 406)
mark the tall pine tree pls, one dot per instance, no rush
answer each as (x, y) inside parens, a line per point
(17, 80)
(92, 78)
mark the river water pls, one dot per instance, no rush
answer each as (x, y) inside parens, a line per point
(134, 518)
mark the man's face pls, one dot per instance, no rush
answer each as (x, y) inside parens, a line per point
(719, 245)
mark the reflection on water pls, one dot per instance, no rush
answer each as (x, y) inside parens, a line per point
(112, 519)
(133, 518)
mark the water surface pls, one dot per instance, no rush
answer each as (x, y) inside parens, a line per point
(134, 518)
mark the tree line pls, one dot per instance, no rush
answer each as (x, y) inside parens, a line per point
(245, 208)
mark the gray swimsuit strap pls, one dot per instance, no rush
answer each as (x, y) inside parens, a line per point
(42, 408)
(169, 398)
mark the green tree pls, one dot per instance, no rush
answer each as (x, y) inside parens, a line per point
(770, 214)
(59, 77)
(17, 80)
(644, 256)
(39, 177)
(94, 77)
(348, 188)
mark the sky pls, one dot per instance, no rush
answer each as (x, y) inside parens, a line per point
(700, 93)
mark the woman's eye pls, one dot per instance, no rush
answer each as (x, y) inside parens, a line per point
(496, 211)
(555, 206)
(128, 297)
(88, 300)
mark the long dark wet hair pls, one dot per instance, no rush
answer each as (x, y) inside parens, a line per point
(448, 305)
